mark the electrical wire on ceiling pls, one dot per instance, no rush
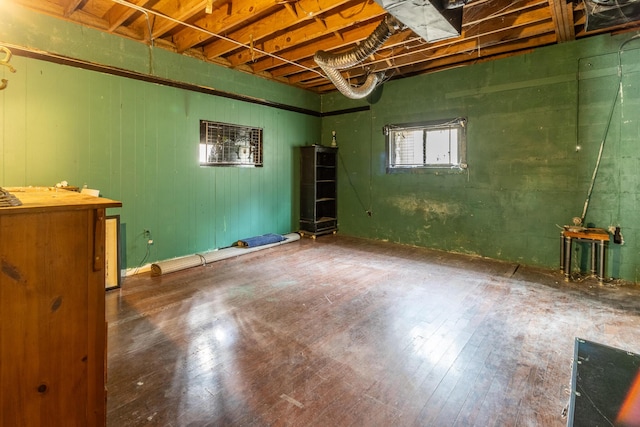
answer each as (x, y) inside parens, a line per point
(210, 33)
(146, 14)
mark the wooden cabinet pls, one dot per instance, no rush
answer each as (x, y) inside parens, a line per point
(318, 190)
(52, 314)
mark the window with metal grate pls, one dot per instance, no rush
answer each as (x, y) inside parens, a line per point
(224, 144)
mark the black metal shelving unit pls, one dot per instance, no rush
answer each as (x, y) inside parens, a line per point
(318, 190)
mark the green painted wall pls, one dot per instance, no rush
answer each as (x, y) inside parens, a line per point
(138, 142)
(526, 116)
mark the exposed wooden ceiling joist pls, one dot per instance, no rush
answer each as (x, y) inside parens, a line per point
(277, 38)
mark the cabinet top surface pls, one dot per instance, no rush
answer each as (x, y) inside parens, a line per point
(46, 198)
(317, 147)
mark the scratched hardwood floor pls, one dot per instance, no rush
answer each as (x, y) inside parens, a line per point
(347, 332)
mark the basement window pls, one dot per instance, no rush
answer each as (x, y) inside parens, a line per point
(224, 144)
(426, 145)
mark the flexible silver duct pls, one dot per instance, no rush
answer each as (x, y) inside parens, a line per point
(353, 92)
(331, 63)
(358, 53)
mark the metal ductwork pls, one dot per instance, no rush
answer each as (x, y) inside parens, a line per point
(353, 92)
(430, 19)
(332, 63)
(606, 13)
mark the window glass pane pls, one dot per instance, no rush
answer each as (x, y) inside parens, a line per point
(426, 145)
(453, 146)
(439, 143)
(409, 147)
(203, 153)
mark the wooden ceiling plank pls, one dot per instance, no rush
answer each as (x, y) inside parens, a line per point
(261, 30)
(490, 48)
(167, 15)
(304, 56)
(320, 21)
(350, 36)
(437, 62)
(271, 25)
(473, 13)
(291, 9)
(184, 13)
(580, 21)
(226, 18)
(468, 47)
(457, 60)
(118, 13)
(78, 17)
(556, 13)
(517, 19)
(297, 37)
(512, 20)
(305, 76)
(563, 20)
(491, 29)
(46, 8)
(409, 46)
(571, 28)
(71, 7)
(535, 23)
(288, 70)
(621, 28)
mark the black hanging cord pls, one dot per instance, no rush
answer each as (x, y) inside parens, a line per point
(364, 208)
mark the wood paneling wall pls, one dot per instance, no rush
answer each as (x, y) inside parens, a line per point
(138, 142)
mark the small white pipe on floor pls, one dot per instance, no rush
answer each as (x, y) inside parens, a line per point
(176, 264)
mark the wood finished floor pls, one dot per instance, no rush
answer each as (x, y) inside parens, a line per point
(347, 332)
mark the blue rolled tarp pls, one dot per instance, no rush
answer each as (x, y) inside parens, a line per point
(265, 239)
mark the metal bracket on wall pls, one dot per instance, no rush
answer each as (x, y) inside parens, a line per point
(5, 62)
